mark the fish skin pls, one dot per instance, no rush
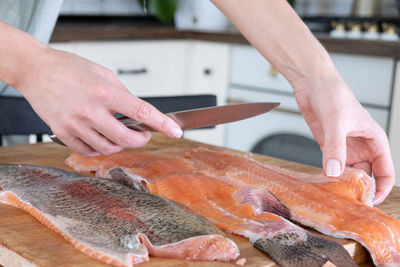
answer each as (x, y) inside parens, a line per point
(319, 251)
(110, 221)
(287, 244)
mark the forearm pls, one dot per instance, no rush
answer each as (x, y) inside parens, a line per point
(18, 52)
(276, 31)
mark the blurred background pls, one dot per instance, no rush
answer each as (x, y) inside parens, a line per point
(320, 15)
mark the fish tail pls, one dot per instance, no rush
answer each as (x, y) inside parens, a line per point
(290, 250)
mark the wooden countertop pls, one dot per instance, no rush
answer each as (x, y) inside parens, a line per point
(25, 241)
(129, 29)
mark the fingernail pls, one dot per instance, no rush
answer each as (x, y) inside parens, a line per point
(333, 168)
(113, 150)
(147, 135)
(93, 154)
(116, 149)
(176, 132)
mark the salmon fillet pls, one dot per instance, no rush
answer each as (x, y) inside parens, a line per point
(109, 221)
(247, 211)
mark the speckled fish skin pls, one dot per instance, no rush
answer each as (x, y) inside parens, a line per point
(110, 221)
(290, 250)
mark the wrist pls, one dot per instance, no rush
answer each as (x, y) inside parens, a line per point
(28, 63)
(318, 74)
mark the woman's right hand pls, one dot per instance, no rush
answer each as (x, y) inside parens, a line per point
(77, 99)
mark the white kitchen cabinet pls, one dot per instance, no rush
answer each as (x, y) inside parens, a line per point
(369, 77)
(164, 68)
(146, 68)
(207, 73)
(249, 68)
(206, 65)
(252, 78)
(394, 129)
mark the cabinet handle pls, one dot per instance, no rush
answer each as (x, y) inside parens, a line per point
(289, 111)
(132, 71)
(207, 71)
(273, 72)
(234, 101)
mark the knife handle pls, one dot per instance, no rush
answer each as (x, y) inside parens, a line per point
(128, 122)
(135, 125)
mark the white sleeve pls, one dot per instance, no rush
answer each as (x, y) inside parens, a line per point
(45, 16)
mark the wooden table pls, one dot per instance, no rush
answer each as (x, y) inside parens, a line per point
(26, 242)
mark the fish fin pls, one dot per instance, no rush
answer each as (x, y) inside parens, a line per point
(262, 200)
(136, 182)
(126, 177)
(290, 250)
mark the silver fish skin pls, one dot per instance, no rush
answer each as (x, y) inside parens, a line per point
(114, 223)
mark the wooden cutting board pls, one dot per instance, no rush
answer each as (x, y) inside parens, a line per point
(26, 242)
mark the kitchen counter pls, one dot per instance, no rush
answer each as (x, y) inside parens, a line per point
(24, 240)
(91, 29)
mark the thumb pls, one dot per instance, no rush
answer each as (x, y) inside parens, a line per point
(334, 150)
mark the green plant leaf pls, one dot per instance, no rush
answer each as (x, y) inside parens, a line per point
(164, 10)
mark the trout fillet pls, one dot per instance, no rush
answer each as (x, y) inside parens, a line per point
(108, 220)
(247, 211)
(340, 207)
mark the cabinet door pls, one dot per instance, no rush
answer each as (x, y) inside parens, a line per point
(207, 69)
(394, 129)
(250, 69)
(207, 73)
(162, 68)
(370, 78)
(146, 68)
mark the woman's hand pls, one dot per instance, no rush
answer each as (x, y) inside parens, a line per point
(77, 99)
(346, 133)
(343, 128)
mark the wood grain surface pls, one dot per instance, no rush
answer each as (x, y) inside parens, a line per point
(26, 242)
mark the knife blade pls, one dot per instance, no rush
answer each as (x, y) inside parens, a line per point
(202, 117)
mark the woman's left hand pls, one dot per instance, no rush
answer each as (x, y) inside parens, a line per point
(346, 133)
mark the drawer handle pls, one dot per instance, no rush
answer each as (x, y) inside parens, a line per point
(234, 101)
(132, 71)
(273, 72)
(289, 111)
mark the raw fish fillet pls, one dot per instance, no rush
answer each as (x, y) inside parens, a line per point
(340, 207)
(248, 211)
(337, 207)
(108, 220)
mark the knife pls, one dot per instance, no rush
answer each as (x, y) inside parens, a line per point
(202, 117)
